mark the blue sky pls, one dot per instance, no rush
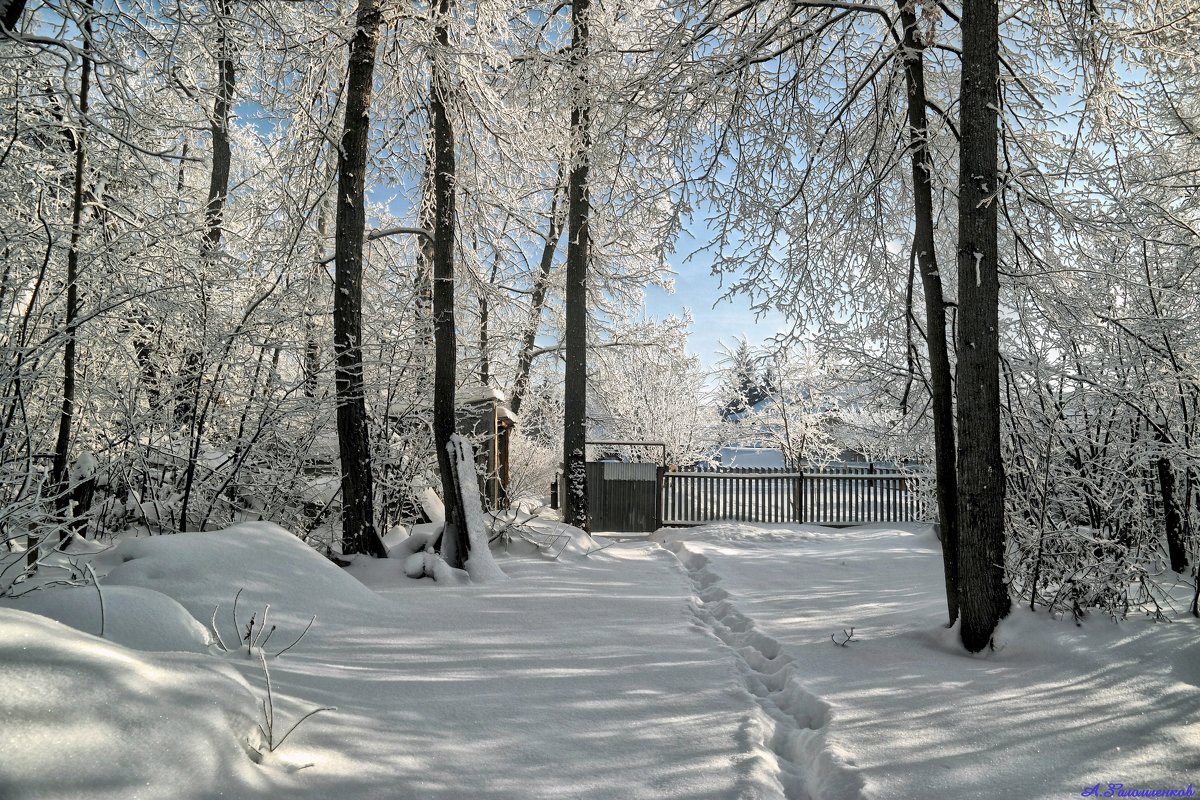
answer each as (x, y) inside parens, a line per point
(714, 321)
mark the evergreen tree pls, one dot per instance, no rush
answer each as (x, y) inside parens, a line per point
(745, 383)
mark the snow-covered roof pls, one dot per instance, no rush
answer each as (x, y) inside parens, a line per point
(469, 395)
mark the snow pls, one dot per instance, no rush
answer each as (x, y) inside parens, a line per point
(767, 457)
(138, 618)
(1056, 708)
(471, 395)
(86, 718)
(699, 665)
(479, 564)
(431, 504)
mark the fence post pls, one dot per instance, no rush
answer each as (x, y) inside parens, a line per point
(798, 497)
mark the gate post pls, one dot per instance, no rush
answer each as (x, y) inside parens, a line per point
(658, 496)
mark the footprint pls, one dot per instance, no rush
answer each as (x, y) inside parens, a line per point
(794, 720)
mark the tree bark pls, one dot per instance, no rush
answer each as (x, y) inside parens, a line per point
(358, 511)
(60, 473)
(218, 179)
(983, 598)
(941, 386)
(455, 545)
(575, 500)
(12, 14)
(1172, 519)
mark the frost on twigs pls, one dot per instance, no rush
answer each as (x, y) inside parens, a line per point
(255, 633)
(271, 739)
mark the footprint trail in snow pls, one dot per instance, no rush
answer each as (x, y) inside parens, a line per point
(793, 721)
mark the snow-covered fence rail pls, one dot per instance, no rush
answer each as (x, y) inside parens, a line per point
(777, 495)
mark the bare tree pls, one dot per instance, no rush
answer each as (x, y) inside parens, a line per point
(983, 597)
(358, 512)
(62, 448)
(455, 543)
(924, 252)
(575, 507)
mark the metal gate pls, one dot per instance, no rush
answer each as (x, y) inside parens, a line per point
(623, 498)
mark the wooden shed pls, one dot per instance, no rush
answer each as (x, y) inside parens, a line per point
(485, 418)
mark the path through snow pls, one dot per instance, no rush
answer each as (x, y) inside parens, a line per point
(793, 719)
(702, 672)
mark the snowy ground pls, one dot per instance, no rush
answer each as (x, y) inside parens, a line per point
(701, 667)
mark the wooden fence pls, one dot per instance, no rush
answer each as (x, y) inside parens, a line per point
(848, 496)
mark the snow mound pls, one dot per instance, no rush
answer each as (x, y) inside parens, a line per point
(128, 724)
(529, 534)
(269, 565)
(135, 617)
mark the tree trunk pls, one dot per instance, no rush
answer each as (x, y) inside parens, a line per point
(537, 300)
(218, 180)
(1172, 519)
(941, 385)
(12, 14)
(455, 544)
(187, 399)
(60, 475)
(312, 347)
(983, 596)
(574, 500)
(187, 389)
(358, 512)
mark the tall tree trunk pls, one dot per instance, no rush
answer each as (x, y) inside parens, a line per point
(941, 384)
(218, 179)
(358, 511)
(187, 398)
(455, 544)
(485, 364)
(60, 475)
(574, 500)
(983, 598)
(1176, 524)
(537, 300)
(187, 389)
(485, 334)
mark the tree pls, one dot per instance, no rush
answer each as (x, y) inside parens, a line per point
(575, 509)
(187, 392)
(745, 383)
(924, 252)
(358, 509)
(983, 593)
(647, 387)
(11, 14)
(455, 542)
(59, 472)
